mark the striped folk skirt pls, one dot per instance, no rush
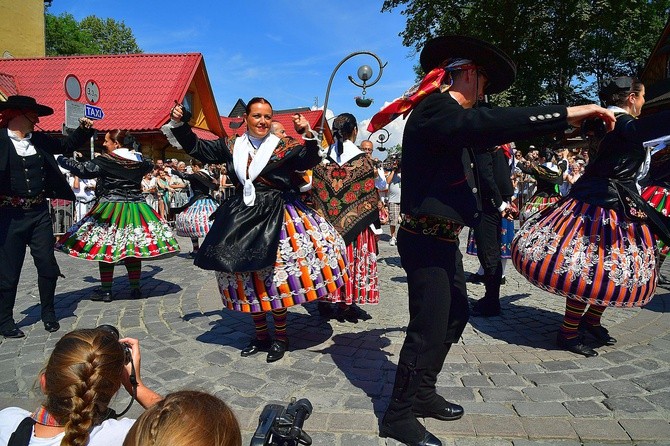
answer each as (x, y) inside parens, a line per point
(657, 196)
(114, 230)
(311, 264)
(506, 237)
(536, 204)
(588, 253)
(363, 284)
(194, 220)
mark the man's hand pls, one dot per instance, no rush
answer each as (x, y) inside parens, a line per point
(85, 123)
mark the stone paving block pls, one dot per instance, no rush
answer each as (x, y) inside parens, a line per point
(618, 388)
(599, 430)
(590, 376)
(632, 404)
(533, 409)
(546, 428)
(508, 381)
(346, 423)
(547, 443)
(484, 408)
(617, 357)
(544, 394)
(587, 409)
(494, 368)
(550, 378)
(475, 381)
(580, 391)
(661, 399)
(498, 426)
(655, 381)
(647, 430)
(498, 395)
(621, 371)
(557, 366)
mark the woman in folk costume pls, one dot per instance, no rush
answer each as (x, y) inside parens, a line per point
(596, 247)
(548, 177)
(656, 190)
(268, 249)
(121, 227)
(344, 192)
(193, 218)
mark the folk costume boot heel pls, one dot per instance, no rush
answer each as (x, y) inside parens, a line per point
(399, 422)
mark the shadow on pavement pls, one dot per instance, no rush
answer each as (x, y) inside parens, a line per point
(661, 301)
(360, 356)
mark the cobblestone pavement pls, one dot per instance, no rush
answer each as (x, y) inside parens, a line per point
(516, 387)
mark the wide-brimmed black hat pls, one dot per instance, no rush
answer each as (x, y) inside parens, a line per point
(500, 70)
(25, 103)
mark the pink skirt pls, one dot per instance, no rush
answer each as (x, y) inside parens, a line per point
(363, 284)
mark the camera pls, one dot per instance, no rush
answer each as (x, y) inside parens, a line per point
(282, 426)
(593, 127)
(115, 333)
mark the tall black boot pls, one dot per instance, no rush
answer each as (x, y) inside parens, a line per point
(399, 422)
(7, 301)
(428, 403)
(489, 305)
(47, 290)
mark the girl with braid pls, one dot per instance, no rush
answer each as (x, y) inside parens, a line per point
(85, 370)
(186, 418)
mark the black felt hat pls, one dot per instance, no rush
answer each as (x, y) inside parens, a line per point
(621, 84)
(500, 70)
(25, 103)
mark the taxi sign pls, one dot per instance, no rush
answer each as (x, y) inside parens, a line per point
(93, 112)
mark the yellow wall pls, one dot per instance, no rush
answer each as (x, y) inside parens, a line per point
(22, 28)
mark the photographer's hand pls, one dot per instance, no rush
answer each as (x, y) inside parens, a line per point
(145, 396)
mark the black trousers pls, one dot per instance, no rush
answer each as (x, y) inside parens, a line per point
(20, 228)
(488, 239)
(438, 305)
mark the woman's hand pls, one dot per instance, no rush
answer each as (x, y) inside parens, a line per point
(177, 112)
(301, 125)
(145, 396)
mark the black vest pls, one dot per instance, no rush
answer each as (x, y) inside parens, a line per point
(27, 175)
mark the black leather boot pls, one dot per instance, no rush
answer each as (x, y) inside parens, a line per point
(427, 403)
(399, 422)
(47, 290)
(489, 305)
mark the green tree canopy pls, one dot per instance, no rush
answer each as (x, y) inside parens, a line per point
(563, 49)
(65, 36)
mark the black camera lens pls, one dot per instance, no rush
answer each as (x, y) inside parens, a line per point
(115, 333)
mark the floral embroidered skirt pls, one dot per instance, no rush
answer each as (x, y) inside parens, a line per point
(506, 236)
(194, 220)
(114, 230)
(588, 253)
(310, 265)
(536, 204)
(657, 196)
(363, 284)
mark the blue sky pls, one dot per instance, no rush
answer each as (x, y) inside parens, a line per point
(284, 50)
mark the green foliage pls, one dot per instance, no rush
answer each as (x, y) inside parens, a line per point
(563, 49)
(65, 36)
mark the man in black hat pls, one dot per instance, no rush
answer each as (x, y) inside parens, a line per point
(28, 176)
(440, 195)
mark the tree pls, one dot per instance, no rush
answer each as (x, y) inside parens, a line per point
(563, 49)
(65, 36)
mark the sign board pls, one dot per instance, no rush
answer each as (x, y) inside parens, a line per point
(93, 112)
(92, 91)
(72, 87)
(73, 112)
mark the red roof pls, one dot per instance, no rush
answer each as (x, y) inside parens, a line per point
(286, 119)
(150, 82)
(8, 85)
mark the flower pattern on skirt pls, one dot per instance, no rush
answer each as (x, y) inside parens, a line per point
(311, 264)
(588, 253)
(112, 231)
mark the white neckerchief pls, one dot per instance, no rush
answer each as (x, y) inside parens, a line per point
(23, 146)
(242, 150)
(349, 151)
(128, 154)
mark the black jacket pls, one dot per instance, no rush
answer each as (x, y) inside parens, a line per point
(56, 186)
(438, 145)
(495, 183)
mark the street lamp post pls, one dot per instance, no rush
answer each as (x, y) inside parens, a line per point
(364, 73)
(382, 138)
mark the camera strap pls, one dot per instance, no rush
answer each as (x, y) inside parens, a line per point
(21, 436)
